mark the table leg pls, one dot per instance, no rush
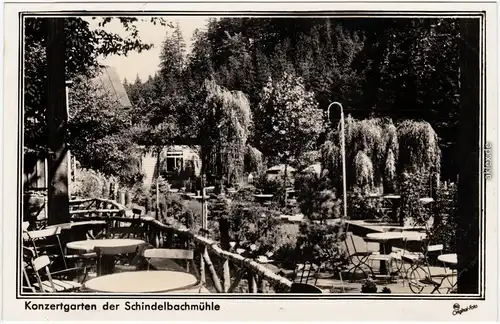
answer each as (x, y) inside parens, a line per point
(385, 248)
(105, 265)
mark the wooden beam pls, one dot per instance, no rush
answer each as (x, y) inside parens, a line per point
(468, 157)
(211, 268)
(212, 246)
(226, 276)
(57, 118)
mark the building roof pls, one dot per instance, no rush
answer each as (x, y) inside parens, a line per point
(110, 80)
(281, 168)
(314, 168)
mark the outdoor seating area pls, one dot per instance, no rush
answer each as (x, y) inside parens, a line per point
(120, 254)
(108, 260)
(304, 178)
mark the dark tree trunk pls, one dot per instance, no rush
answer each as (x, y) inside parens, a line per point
(468, 144)
(57, 117)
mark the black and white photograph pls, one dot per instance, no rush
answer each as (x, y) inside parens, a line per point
(176, 161)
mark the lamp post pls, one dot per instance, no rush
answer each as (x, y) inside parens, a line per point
(342, 141)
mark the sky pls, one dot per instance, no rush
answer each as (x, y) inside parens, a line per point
(146, 63)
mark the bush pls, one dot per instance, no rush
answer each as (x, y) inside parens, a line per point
(321, 243)
(244, 194)
(362, 207)
(269, 185)
(250, 224)
(369, 287)
(386, 290)
(139, 195)
(287, 255)
(88, 184)
(316, 202)
(413, 187)
(445, 229)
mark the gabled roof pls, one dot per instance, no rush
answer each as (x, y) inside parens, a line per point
(281, 168)
(110, 80)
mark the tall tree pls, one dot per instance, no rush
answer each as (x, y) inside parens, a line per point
(287, 121)
(172, 62)
(99, 124)
(57, 116)
(223, 133)
(80, 58)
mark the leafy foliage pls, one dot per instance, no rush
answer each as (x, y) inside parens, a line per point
(378, 152)
(88, 183)
(401, 68)
(315, 200)
(445, 229)
(223, 132)
(289, 121)
(413, 186)
(83, 46)
(321, 243)
(419, 151)
(98, 124)
(253, 225)
(369, 287)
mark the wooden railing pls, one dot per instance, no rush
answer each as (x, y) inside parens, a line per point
(96, 207)
(215, 267)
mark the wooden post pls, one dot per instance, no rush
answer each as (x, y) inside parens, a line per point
(57, 118)
(263, 286)
(111, 190)
(127, 198)
(226, 278)
(237, 279)
(252, 282)
(203, 277)
(122, 197)
(211, 268)
(105, 190)
(204, 208)
(468, 157)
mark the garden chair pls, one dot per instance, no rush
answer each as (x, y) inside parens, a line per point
(52, 283)
(28, 255)
(404, 258)
(137, 262)
(358, 258)
(162, 259)
(304, 272)
(46, 241)
(420, 273)
(362, 254)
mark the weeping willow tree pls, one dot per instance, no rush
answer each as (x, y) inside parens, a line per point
(224, 133)
(378, 153)
(371, 155)
(419, 151)
(254, 160)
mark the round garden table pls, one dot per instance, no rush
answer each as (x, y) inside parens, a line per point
(450, 259)
(108, 250)
(385, 240)
(142, 282)
(413, 236)
(79, 230)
